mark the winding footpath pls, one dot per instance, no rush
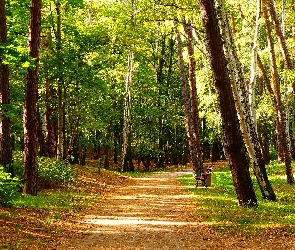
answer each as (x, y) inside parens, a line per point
(154, 212)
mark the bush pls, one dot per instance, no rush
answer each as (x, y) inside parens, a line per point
(9, 187)
(53, 172)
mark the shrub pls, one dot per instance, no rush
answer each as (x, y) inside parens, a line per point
(9, 187)
(53, 172)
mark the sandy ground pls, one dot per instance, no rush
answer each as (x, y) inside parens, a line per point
(155, 212)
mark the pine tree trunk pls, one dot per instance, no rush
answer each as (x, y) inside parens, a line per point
(50, 125)
(248, 127)
(279, 144)
(5, 142)
(279, 34)
(30, 106)
(196, 159)
(193, 94)
(233, 141)
(282, 133)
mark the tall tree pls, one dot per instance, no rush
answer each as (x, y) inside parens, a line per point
(281, 117)
(60, 87)
(30, 105)
(248, 128)
(5, 143)
(190, 100)
(233, 141)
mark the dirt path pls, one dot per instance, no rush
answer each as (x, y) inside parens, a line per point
(153, 213)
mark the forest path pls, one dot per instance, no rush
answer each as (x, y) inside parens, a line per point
(154, 212)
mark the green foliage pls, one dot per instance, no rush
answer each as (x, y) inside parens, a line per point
(9, 187)
(53, 172)
(219, 208)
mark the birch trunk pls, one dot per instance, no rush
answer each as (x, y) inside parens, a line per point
(246, 120)
(127, 110)
(233, 141)
(281, 119)
(190, 128)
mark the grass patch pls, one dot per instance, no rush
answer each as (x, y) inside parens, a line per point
(60, 200)
(219, 208)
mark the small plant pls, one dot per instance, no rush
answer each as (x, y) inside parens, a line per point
(53, 172)
(9, 187)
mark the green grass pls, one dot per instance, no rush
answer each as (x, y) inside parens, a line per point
(59, 200)
(219, 208)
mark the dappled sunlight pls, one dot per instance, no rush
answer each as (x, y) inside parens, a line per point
(117, 220)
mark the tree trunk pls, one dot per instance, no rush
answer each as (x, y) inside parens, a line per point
(50, 124)
(193, 94)
(233, 141)
(280, 35)
(5, 142)
(282, 133)
(60, 129)
(127, 111)
(254, 65)
(196, 159)
(279, 144)
(30, 105)
(264, 141)
(248, 128)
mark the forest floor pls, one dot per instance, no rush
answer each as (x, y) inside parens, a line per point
(147, 212)
(155, 212)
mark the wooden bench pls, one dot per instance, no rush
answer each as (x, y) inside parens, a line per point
(203, 177)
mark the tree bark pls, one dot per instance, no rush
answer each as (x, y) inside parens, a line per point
(193, 92)
(50, 124)
(60, 127)
(5, 142)
(282, 133)
(127, 111)
(247, 124)
(233, 141)
(196, 159)
(30, 106)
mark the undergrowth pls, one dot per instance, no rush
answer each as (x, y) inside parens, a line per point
(218, 204)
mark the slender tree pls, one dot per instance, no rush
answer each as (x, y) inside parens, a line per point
(281, 118)
(5, 143)
(30, 106)
(233, 141)
(191, 116)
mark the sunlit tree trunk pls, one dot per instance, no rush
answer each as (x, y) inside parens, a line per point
(254, 64)
(248, 128)
(5, 142)
(280, 35)
(30, 106)
(233, 141)
(127, 110)
(275, 106)
(282, 133)
(196, 159)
